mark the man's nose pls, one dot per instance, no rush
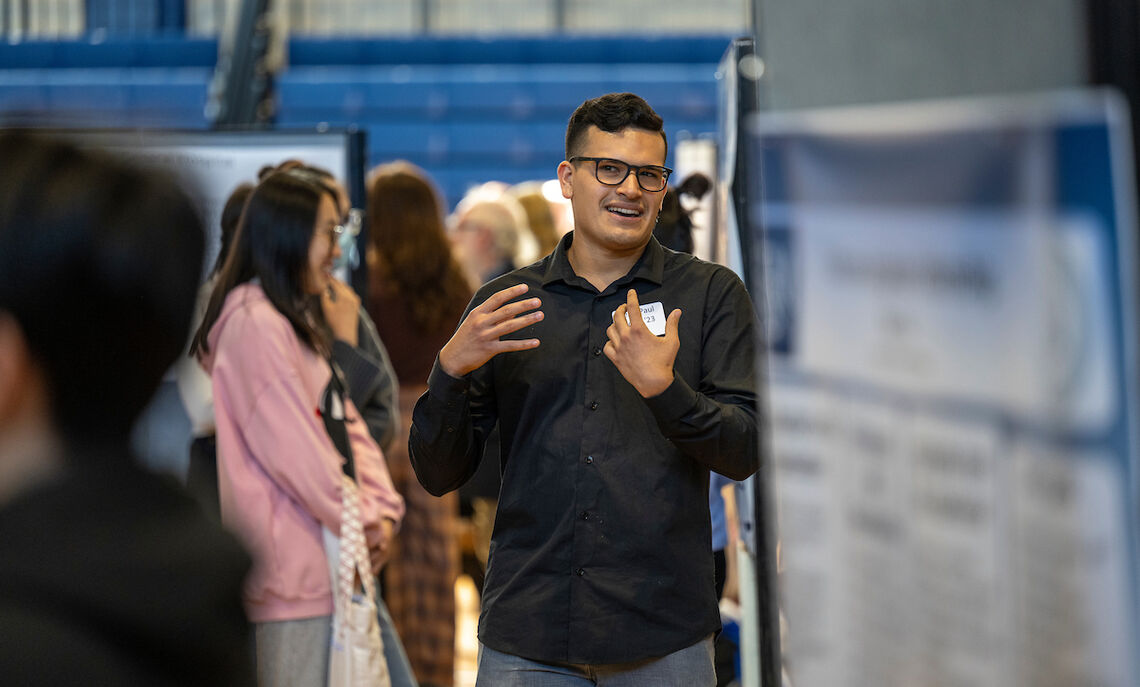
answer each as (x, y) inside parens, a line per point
(629, 185)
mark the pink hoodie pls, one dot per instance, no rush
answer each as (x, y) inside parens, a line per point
(278, 471)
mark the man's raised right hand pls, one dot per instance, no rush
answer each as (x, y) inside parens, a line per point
(477, 339)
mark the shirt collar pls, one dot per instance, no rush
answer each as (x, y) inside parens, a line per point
(650, 266)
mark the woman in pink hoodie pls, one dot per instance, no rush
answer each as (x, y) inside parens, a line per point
(265, 340)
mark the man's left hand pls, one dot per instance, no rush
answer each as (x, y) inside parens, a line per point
(644, 359)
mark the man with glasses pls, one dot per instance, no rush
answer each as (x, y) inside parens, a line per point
(612, 407)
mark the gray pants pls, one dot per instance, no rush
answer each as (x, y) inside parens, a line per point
(293, 653)
(285, 655)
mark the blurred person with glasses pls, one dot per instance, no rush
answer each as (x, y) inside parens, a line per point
(487, 230)
(269, 340)
(363, 359)
(612, 409)
(370, 378)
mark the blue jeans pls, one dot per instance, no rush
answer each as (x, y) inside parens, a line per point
(399, 669)
(689, 667)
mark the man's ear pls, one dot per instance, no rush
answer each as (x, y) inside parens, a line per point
(565, 177)
(16, 368)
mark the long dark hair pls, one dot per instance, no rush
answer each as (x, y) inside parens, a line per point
(409, 256)
(231, 216)
(317, 175)
(272, 245)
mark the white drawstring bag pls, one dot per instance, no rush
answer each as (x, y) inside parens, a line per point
(356, 652)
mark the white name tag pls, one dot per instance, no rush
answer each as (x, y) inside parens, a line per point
(653, 314)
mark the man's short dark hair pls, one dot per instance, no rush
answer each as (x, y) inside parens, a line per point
(99, 267)
(612, 113)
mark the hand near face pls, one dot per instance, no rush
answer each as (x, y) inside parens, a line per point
(477, 339)
(341, 307)
(644, 359)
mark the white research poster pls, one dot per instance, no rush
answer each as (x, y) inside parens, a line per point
(952, 406)
(210, 164)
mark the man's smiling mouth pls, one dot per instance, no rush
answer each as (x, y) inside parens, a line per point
(624, 212)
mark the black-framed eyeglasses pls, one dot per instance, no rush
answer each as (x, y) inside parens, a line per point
(613, 172)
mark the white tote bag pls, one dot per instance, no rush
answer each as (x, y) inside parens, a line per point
(356, 652)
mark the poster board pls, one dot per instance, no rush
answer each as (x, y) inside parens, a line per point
(952, 408)
(213, 163)
(210, 164)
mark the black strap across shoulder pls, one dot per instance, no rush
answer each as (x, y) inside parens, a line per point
(332, 412)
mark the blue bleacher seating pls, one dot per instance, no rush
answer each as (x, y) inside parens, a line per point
(468, 110)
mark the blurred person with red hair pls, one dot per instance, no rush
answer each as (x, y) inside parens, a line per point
(417, 294)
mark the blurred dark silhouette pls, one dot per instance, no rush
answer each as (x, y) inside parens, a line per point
(674, 225)
(109, 574)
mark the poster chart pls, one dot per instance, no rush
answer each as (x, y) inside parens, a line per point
(210, 165)
(952, 401)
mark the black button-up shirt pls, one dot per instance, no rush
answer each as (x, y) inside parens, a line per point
(601, 551)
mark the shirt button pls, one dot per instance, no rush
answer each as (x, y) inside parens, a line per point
(594, 405)
(584, 515)
(580, 572)
(589, 460)
(597, 351)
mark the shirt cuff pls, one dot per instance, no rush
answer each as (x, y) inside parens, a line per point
(444, 385)
(673, 403)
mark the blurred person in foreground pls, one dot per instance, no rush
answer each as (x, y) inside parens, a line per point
(417, 293)
(620, 373)
(109, 574)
